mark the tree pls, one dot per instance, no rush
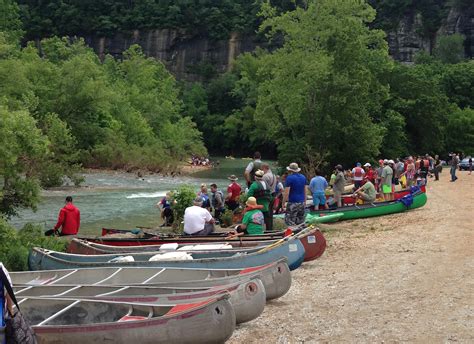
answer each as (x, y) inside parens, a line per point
(460, 131)
(450, 48)
(22, 148)
(323, 88)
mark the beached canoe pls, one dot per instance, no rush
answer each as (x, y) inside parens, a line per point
(313, 242)
(247, 297)
(349, 200)
(419, 199)
(275, 276)
(89, 321)
(291, 248)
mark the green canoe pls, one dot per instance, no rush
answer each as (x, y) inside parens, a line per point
(373, 209)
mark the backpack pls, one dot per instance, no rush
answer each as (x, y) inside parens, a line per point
(263, 193)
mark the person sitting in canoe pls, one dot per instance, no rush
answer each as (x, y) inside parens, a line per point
(198, 220)
(252, 222)
(366, 192)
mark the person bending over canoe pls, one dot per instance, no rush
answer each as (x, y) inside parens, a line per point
(366, 192)
(252, 222)
(198, 220)
(69, 219)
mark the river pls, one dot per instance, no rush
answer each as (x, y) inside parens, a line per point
(121, 200)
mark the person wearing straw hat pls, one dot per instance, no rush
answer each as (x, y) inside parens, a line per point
(294, 198)
(261, 191)
(198, 220)
(233, 193)
(253, 220)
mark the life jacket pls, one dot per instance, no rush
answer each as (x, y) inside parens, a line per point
(205, 200)
(214, 198)
(358, 172)
(262, 193)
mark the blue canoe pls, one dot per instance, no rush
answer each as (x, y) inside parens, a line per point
(290, 248)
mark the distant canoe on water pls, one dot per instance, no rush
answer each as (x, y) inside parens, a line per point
(247, 296)
(275, 277)
(89, 321)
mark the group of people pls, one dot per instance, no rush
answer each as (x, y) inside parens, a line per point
(200, 161)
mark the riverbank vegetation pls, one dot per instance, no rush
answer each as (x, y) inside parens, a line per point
(327, 92)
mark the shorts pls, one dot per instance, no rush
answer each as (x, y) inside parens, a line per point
(319, 199)
(366, 197)
(295, 214)
(386, 189)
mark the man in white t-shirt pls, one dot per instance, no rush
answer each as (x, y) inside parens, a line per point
(198, 220)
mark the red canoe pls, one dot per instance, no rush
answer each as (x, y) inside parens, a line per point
(314, 242)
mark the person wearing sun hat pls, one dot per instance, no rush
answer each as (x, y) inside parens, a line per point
(233, 193)
(294, 198)
(253, 220)
(261, 191)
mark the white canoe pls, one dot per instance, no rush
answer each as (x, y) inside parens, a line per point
(275, 277)
(87, 321)
(247, 297)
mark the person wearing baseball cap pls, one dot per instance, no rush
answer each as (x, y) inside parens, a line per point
(370, 174)
(387, 174)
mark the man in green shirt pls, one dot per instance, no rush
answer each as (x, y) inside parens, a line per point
(366, 192)
(252, 222)
(261, 191)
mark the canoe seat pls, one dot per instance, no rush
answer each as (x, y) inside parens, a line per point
(131, 318)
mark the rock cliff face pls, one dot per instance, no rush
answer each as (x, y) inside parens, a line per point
(406, 40)
(190, 57)
(187, 57)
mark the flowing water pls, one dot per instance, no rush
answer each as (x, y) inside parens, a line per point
(121, 200)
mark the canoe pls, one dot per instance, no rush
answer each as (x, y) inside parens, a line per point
(247, 297)
(314, 243)
(348, 199)
(89, 321)
(290, 247)
(275, 277)
(375, 209)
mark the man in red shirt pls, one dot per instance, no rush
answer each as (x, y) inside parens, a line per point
(370, 173)
(69, 219)
(233, 193)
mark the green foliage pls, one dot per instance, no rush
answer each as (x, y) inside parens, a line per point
(119, 114)
(450, 48)
(22, 149)
(227, 218)
(460, 131)
(15, 245)
(182, 198)
(10, 23)
(332, 61)
(214, 18)
(458, 83)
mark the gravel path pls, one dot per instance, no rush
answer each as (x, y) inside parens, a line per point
(398, 278)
